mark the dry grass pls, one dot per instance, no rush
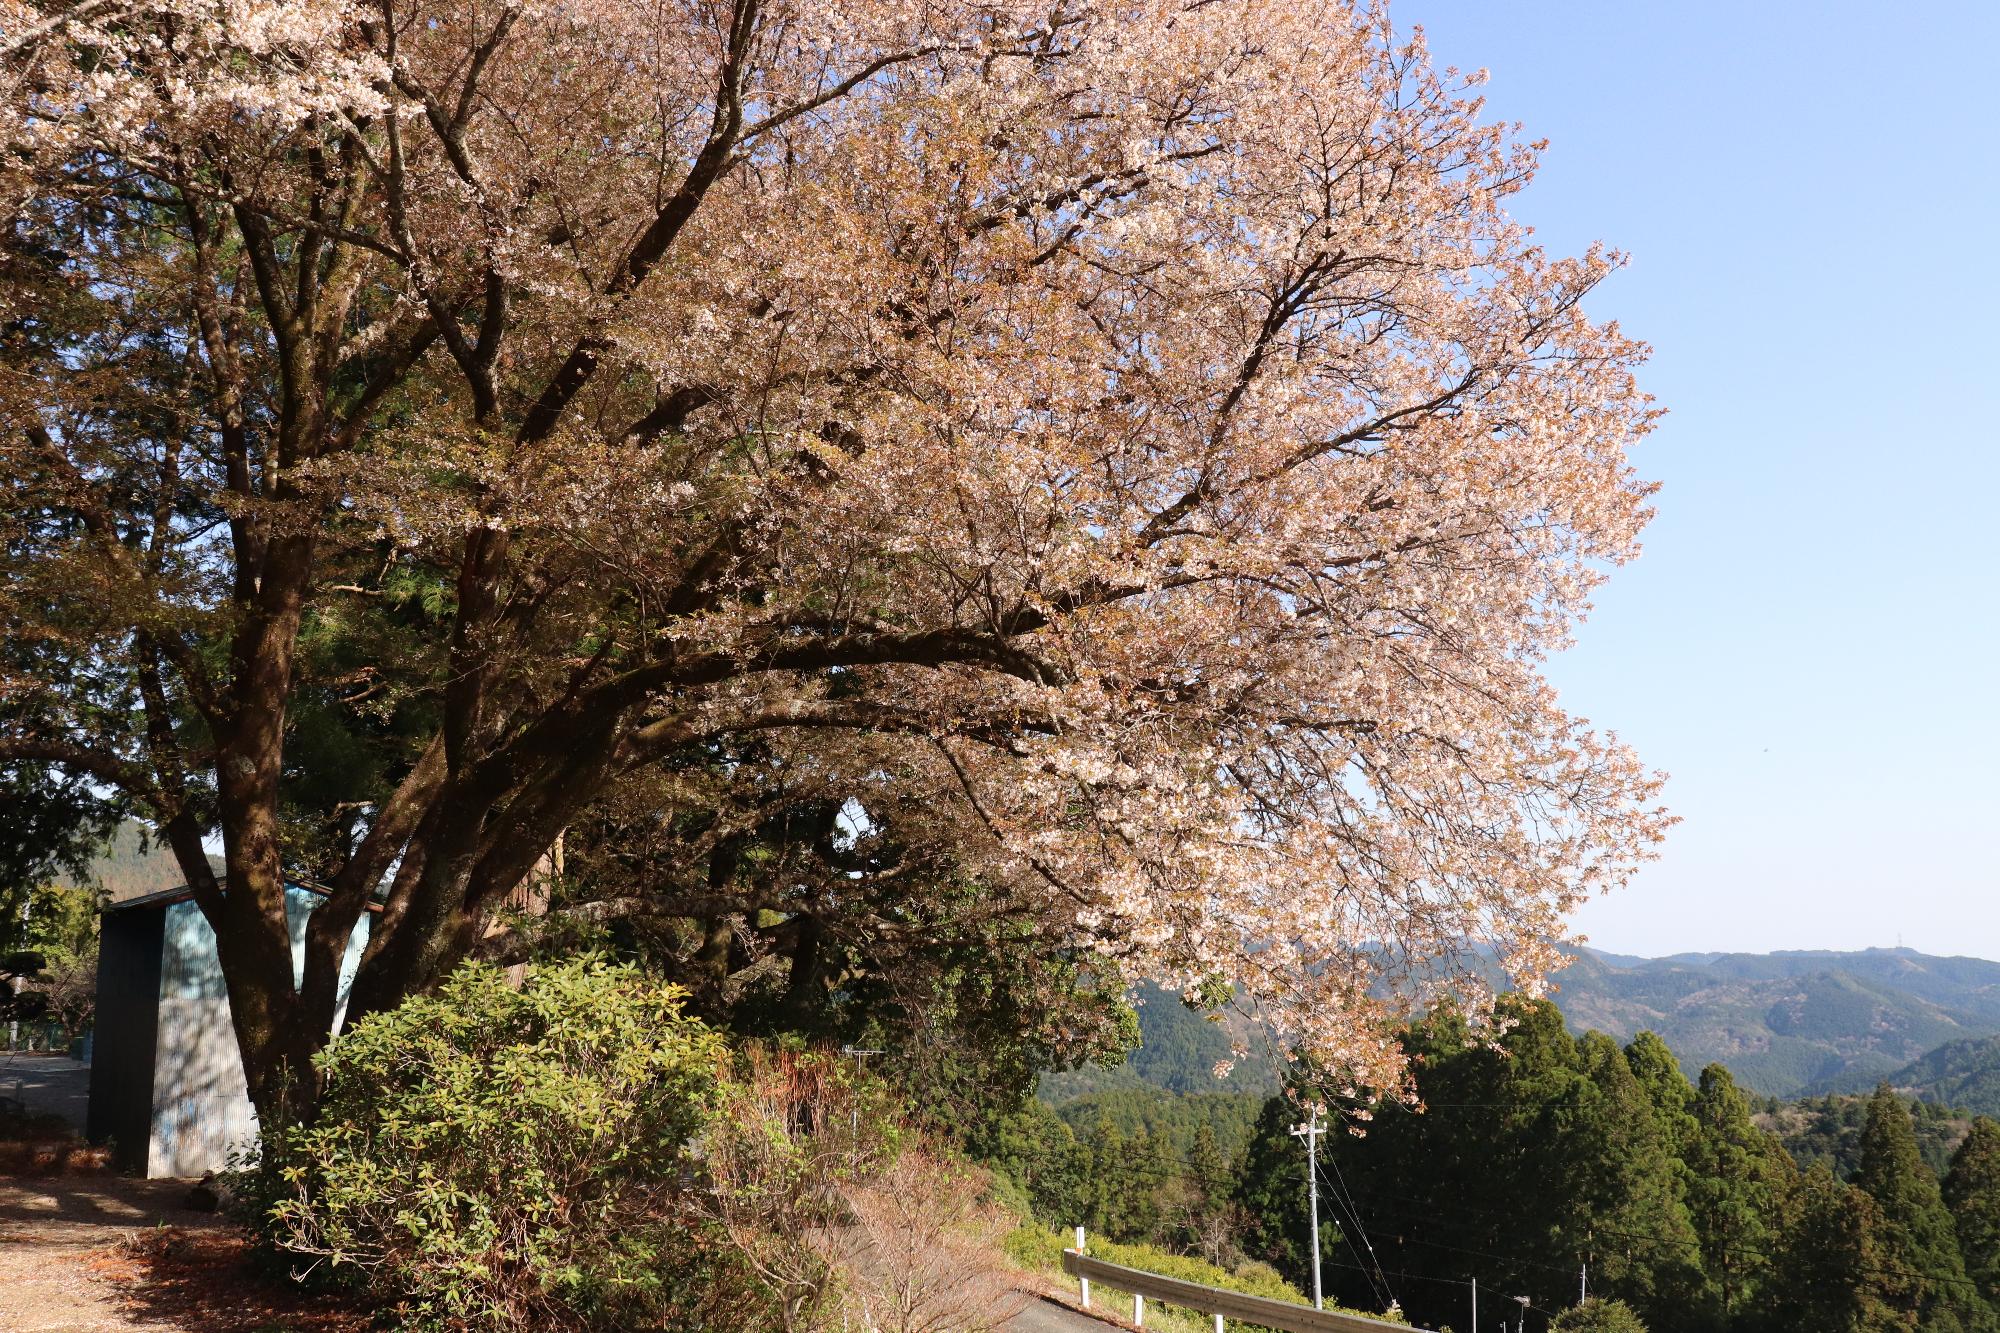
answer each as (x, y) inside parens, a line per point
(923, 1252)
(51, 1157)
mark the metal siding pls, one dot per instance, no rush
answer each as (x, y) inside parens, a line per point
(127, 1029)
(200, 1104)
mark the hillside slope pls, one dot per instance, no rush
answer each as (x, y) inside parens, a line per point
(133, 863)
(1178, 1051)
(1967, 985)
(1962, 1074)
(1788, 1023)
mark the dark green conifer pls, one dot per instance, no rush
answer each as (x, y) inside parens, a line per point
(1271, 1191)
(1145, 1179)
(1103, 1198)
(1630, 1219)
(1037, 1151)
(1826, 1274)
(1667, 1088)
(1924, 1277)
(1972, 1193)
(1205, 1221)
(1205, 1162)
(1737, 1178)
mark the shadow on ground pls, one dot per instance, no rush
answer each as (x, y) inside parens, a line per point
(97, 1251)
(207, 1280)
(89, 1210)
(47, 1084)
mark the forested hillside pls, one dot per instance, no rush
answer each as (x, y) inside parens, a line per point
(1179, 1050)
(1560, 1163)
(1959, 1073)
(1792, 1022)
(132, 863)
(1828, 1129)
(1787, 1024)
(1176, 1120)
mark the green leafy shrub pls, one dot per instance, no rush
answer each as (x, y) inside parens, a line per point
(1035, 1247)
(494, 1158)
(1595, 1316)
(1252, 1279)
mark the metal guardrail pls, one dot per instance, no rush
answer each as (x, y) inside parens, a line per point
(1259, 1310)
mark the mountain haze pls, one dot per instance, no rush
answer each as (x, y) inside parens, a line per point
(1786, 1024)
(1791, 1022)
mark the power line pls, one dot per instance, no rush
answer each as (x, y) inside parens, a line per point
(1342, 1194)
(1658, 1239)
(1432, 1210)
(1383, 1293)
(1310, 1132)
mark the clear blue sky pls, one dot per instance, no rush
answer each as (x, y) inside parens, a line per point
(1809, 643)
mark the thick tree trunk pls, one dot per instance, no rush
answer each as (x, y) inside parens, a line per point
(531, 898)
(806, 989)
(408, 944)
(276, 1035)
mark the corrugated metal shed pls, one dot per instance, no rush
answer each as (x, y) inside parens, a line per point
(166, 1085)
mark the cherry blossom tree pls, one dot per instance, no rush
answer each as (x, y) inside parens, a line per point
(1131, 441)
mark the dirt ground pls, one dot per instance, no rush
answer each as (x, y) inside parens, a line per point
(99, 1252)
(84, 1253)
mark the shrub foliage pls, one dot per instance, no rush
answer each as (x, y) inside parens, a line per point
(1599, 1316)
(508, 1158)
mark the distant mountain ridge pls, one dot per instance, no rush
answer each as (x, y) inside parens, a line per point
(1792, 1022)
(1787, 1024)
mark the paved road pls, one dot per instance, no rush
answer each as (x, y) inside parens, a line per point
(1044, 1316)
(47, 1083)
